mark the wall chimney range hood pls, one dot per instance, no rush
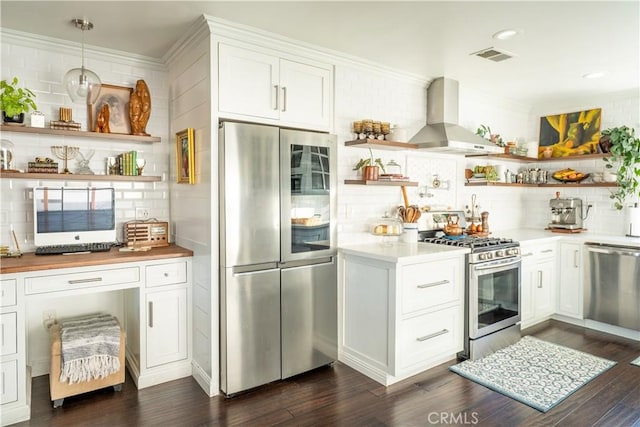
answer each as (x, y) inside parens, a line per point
(442, 132)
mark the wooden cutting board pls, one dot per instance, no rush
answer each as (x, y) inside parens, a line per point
(566, 230)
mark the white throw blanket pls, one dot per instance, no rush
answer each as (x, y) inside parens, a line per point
(90, 348)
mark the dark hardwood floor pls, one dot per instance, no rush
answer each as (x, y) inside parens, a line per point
(338, 395)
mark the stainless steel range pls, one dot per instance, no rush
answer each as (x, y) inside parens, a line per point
(492, 293)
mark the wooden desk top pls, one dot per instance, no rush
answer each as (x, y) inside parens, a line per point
(32, 262)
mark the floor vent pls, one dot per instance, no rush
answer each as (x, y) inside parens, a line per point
(493, 54)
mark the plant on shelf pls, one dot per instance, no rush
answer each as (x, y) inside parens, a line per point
(625, 155)
(15, 101)
(485, 132)
(370, 167)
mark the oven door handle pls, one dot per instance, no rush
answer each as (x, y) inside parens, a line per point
(487, 267)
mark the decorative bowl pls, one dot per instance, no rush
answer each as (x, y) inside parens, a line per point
(576, 179)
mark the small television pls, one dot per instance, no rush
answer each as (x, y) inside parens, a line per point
(65, 215)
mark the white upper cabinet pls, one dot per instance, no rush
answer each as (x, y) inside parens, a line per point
(259, 85)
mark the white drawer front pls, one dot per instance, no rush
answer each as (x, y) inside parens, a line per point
(166, 274)
(8, 292)
(8, 333)
(9, 381)
(430, 284)
(430, 335)
(88, 279)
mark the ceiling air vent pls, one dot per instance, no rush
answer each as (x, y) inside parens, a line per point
(493, 54)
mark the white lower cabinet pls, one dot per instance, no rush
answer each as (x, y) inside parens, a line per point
(538, 282)
(160, 315)
(400, 318)
(570, 281)
(14, 405)
(166, 327)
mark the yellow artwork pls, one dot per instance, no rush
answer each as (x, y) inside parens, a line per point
(570, 134)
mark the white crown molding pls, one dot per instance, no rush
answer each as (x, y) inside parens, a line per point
(52, 44)
(232, 30)
(198, 32)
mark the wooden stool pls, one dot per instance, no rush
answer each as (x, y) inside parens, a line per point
(60, 390)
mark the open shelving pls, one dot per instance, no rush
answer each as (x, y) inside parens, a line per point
(79, 177)
(80, 133)
(558, 185)
(381, 144)
(381, 182)
(524, 159)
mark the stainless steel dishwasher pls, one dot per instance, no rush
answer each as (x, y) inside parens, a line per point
(612, 289)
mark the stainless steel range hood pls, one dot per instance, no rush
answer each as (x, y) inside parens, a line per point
(442, 132)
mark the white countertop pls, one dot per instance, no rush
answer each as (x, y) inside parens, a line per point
(404, 253)
(525, 236)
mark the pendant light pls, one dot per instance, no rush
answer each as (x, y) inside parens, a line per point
(83, 85)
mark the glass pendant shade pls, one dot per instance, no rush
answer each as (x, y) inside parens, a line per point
(83, 85)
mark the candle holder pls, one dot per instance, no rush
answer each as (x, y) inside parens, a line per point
(65, 153)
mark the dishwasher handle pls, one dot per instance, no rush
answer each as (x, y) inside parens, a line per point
(617, 250)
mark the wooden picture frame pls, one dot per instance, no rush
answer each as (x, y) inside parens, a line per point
(185, 157)
(118, 99)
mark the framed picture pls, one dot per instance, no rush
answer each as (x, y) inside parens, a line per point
(570, 134)
(185, 161)
(117, 97)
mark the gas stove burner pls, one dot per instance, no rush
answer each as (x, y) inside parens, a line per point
(472, 242)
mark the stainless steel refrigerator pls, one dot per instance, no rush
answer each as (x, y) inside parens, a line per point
(278, 275)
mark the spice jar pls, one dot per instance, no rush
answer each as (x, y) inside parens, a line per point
(6, 154)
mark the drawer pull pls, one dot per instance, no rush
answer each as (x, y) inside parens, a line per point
(433, 335)
(429, 285)
(528, 254)
(92, 279)
(166, 274)
(546, 251)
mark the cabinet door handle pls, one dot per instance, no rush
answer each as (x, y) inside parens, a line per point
(275, 88)
(433, 335)
(151, 314)
(546, 251)
(540, 278)
(284, 98)
(92, 279)
(429, 285)
(575, 259)
(528, 254)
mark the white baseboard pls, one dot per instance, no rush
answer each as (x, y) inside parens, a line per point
(204, 380)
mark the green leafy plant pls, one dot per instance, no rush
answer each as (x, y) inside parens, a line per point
(625, 155)
(485, 132)
(14, 100)
(369, 162)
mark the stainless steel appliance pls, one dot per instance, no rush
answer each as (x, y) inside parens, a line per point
(612, 290)
(278, 278)
(442, 132)
(566, 212)
(492, 293)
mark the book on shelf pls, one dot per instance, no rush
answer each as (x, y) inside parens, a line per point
(393, 178)
(60, 124)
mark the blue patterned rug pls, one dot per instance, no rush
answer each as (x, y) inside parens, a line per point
(636, 361)
(534, 372)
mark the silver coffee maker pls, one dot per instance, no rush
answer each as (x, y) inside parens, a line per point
(566, 212)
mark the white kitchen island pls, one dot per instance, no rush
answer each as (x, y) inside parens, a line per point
(400, 308)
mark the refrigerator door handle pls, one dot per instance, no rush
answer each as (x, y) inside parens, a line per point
(290, 265)
(247, 273)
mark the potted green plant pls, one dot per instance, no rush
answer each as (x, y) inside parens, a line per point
(370, 167)
(15, 101)
(485, 132)
(624, 154)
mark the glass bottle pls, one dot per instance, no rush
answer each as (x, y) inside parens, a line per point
(6, 154)
(393, 169)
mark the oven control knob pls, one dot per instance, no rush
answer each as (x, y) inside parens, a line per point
(489, 255)
(482, 257)
(513, 251)
(499, 253)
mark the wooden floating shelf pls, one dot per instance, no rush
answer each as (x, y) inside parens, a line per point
(381, 182)
(78, 177)
(524, 159)
(383, 145)
(569, 184)
(79, 133)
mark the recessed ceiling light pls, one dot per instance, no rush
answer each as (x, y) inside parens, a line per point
(506, 34)
(596, 75)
